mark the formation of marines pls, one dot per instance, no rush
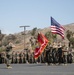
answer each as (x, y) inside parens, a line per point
(53, 54)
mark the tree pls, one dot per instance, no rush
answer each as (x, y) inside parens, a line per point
(70, 37)
(1, 37)
(34, 31)
(69, 34)
(51, 37)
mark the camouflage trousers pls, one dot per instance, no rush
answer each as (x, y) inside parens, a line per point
(8, 61)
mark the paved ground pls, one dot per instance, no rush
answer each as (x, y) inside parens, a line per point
(37, 69)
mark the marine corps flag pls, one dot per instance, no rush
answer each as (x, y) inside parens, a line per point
(42, 40)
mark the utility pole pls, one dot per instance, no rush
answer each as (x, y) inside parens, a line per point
(24, 33)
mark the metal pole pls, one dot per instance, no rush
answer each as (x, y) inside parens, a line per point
(24, 33)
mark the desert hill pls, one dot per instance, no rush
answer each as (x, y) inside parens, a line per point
(30, 37)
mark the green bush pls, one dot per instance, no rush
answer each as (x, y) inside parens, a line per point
(17, 42)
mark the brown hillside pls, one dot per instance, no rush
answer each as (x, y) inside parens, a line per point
(19, 37)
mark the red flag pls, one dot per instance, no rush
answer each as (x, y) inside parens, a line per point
(37, 52)
(43, 43)
(40, 40)
(45, 39)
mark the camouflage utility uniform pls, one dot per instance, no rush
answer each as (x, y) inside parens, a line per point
(8, 56)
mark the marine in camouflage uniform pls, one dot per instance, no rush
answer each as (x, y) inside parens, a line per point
(21, 57)
(54, 53)
(60, 54)
(13, 57)
(8, 56)
(3, 57)
(17, 57)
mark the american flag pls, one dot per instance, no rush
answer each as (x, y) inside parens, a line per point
(56, 28)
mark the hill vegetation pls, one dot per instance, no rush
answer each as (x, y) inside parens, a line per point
(28, 39)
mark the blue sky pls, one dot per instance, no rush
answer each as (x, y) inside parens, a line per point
(36, 13)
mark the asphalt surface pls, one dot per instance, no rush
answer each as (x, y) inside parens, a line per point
(37, 69)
